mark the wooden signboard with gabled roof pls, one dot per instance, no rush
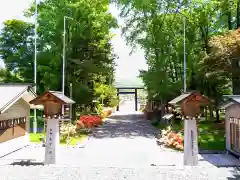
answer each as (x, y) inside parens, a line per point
(190, 106)
(190, 103)
(52, 102)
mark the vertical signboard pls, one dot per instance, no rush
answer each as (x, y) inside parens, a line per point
(52, 141)
(190, 143)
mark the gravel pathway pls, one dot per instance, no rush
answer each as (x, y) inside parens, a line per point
(76, 173)
(123, 148)
(125, 125)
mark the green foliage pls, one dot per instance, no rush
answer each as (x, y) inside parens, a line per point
(85, 110)
(89, 53)
(100, 107)
(36, 137)
(82, 94)
(114, 101)
(40, 122)
(73, 140)
(8, 76)
(158, 26)
(106, 94)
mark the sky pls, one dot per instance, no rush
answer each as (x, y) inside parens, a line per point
(127, 66)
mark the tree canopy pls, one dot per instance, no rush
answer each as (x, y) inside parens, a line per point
(158, 28)
(211, 41)
(89, 53)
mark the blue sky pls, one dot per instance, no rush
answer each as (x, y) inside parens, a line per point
(127, 66)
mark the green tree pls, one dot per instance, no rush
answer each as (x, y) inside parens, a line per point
(157, 27)
(89, 53)
(106, 95)
(17, 48)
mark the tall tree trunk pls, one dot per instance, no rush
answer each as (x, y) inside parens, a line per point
(229, 14)
(170, 63)
(175, 69)
(204, 32)
(230, 19)
(206, 113)
(217, 115)
(193, 85)
(238, 14)
(211, 113)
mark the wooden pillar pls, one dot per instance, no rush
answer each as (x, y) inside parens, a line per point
(136, 97)
(190, 142)
(118, 96)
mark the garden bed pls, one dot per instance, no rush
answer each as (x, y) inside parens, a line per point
(72, 134)
(37, 138)
(211, 136)
(90, 121)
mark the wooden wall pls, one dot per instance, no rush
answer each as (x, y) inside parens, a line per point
(15, 121)
(232, 113)
(12, 128)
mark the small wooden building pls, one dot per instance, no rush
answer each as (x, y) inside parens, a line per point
(14, 116)
(52, 102)
(232, 123)
(190, 103)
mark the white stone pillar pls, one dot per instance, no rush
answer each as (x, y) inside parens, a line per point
(190, 142)
(52, 141)
(27, 126)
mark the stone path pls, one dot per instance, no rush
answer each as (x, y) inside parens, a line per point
(127, 126)
(113, 173)
(123, 138)
(123, 148)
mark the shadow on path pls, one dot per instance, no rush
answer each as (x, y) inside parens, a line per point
(125, 125)
(235, 174)
(27, 163)
(131, 116)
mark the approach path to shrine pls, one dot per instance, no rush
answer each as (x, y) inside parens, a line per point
(123, 148)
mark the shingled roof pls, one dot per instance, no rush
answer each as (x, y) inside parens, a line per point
(180, 98)
(184, 96)
(12, 92)
(230, 100)
(59, 96)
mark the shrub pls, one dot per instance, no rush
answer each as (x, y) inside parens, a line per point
(114, 101)
(68, 129)
(106, 94)
(104, 114)
(109, 111)
(80, 125)
(99, 107)
(175, 140)
(90, 121)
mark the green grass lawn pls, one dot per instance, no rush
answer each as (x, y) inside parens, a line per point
(211, 136)
(74, 140)
(36, 137)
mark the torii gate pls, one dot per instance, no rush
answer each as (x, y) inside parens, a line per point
(127, 84)
(129, 92)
